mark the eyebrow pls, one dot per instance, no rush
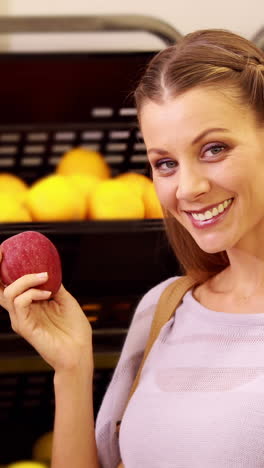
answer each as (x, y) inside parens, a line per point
(194, 142)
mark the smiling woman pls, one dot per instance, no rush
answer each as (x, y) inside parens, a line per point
(199, 145)
(199, 103)
(201, 111)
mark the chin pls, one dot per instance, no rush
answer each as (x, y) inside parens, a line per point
(211, 247)
(212, 250)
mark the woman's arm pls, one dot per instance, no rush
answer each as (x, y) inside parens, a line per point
(60, 332)
(74, 437)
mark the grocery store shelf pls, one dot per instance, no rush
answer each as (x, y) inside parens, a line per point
(84, 227)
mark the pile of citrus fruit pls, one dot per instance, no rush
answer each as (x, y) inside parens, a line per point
(80, 188)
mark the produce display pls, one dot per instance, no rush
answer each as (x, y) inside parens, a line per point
(30, 252)
(114, 199)
(12, 185)
(84, 161)
(55, 198)
(80, 188)
(13, 209)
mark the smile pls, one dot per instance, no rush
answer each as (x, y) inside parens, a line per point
(211, 217)
(208, 214)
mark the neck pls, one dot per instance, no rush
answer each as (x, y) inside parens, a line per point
(245, 275)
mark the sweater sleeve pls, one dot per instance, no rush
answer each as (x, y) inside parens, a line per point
(116, 396)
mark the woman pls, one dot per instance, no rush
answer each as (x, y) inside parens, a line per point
(200, 401)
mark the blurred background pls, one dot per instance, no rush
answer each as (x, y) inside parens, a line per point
(67, 118)
(243, 17)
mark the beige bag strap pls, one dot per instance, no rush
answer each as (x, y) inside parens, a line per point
(168, 302)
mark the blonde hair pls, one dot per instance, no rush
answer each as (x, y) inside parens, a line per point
(211, 58)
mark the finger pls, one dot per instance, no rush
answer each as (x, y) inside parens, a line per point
(25, 300)
(24, 283)
(22, 304)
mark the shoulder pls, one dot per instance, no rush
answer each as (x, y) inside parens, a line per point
(139, 328)
(152, 296)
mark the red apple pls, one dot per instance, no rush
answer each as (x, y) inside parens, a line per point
(30, 252)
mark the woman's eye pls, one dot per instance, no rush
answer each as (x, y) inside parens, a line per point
(214, 149)
(165, 165)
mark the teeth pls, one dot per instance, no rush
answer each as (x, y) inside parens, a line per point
(208, 215)
(215, 212)
(211, 213)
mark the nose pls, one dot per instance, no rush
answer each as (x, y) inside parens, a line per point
(192, 183)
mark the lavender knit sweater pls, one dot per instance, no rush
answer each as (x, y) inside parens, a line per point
(200, 400)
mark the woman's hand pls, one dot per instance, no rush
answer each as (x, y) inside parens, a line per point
(57, 328)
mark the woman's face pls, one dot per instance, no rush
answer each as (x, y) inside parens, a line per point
(205, 149)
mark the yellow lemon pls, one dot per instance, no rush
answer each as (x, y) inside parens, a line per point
(86, 183)
(113, 199)
(12, 184)
(83, 161)
(135, 180)
(54, 198)
(42, 449)
(12, 210)
(27, 464)
(152, 204)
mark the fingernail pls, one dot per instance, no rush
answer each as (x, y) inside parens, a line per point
(42, 275)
